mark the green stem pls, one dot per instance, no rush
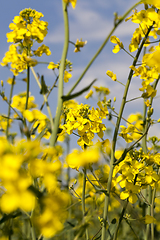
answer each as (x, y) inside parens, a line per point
(9, 108)
(106, 204)
(83, 198)
(54, 84)
(120, 220)
(148, 212)
(45, 99)
(28, 81)
(152, 212)
(61, 75)
(149, 196)
(101, 47)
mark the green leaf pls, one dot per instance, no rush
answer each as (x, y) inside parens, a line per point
(111, 229)
(44, 88)
(66, 98)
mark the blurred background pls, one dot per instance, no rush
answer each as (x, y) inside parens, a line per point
(91, 21)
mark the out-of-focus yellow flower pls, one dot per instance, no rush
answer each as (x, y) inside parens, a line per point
(155, 3)
(89, 94)
(67, 76)
(10, 81)
(112, 75)
(19, 101)
(80, 158)
(101, 89)
(79, 44)
(3, 122)
(42, 49)
(73, 2)
(119, 45)
(52, 65)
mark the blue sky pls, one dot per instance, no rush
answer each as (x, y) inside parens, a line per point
(91, 21)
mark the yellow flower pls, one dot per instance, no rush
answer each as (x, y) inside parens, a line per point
(156, 3)
(52, 65)
(42, 49)
(119, 45)
(19, 101)
(79, 44)
(3, 122)
(10, 80)
(89, 94)
(25, 30)
(67, 76)
(149, 219)
(79, 158)
(130, 192)
(112, 75)
(73, 2)
(101, 89)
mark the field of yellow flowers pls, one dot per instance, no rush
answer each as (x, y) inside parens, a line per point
(48, 190)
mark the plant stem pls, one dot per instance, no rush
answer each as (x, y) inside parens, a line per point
(45, 99)
(101, 48)
(61, 75)
(120, 220)
(83, 198)
(152, 212)
(9, 108)
(28, 81)
(148, 196)
(106, 204)
(54, 84)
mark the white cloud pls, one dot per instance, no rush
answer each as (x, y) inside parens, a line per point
(90, 24)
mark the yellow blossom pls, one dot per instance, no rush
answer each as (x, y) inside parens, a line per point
(73, 2)
(89, 94)
(52, 65)
(10, 81)
(67, 76)
(79, 44)
(119, 45)
(79, 158)
(111, 75)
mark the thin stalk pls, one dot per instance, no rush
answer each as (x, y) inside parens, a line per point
(152, 212)
(69, 233)
(27, 98)
(54, 84)
(45, 99)
(106, 204)
(120, 220)
(61, 75)
(33, 233)
(144, 147)
(149, 196)
(101, 47)
(83, 198)
(19, 117)
(9, 107)
(28, 81)
(148, 212)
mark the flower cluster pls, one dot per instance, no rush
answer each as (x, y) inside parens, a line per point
(25, 172)
(134, 128)
(68, 66)
(25, 30)
(83, 158)
(87, 122)
(136, 172)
